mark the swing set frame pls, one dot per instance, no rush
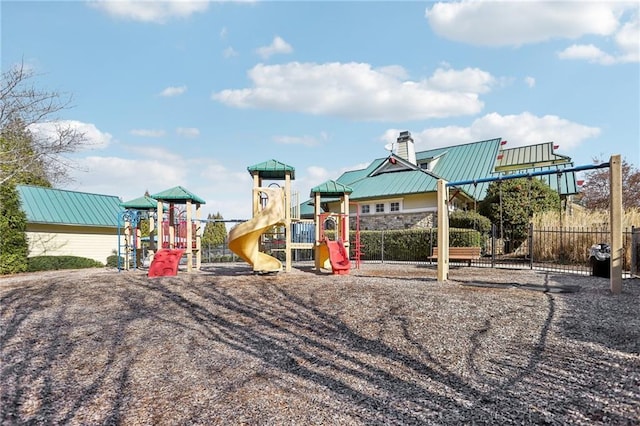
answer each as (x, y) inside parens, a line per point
(615, 214)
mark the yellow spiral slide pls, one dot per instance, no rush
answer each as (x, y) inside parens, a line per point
(244, 238)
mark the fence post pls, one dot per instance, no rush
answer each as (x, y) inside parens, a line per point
(493, 245)
(530, 245)
(635, 243)
(382, 246)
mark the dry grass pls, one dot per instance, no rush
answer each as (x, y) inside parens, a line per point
(581, 217)
(386, 345)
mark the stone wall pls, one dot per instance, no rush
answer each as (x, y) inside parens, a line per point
(396, 221)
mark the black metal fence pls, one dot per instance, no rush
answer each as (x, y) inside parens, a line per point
(565, 249)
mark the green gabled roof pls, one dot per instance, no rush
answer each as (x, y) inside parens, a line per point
(178, 194)
(331, 188)
(527, 157)
(273, 169)
(390, 184)
(465, 162)
(62, 207)
(141, 203)
(353, 175)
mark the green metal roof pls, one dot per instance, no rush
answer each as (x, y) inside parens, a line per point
(527, 157)
(141, 203)
(331, 188)
(179, 195)
(273, 169)
(390, 184)
(62, 207)
(465, 162)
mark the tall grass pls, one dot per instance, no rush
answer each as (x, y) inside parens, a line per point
(581, 217)
(567, 236)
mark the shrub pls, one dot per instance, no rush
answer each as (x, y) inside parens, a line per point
(49, 263)
(112, 261)
(409, 244)
(469, 220)
(14, 247)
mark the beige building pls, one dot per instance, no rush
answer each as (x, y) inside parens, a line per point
(61, 222)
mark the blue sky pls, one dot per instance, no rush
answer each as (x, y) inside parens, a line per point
(191, 93)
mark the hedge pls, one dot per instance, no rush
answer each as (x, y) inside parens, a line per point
(49, 263)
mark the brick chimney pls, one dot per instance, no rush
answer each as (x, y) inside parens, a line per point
(405, 148)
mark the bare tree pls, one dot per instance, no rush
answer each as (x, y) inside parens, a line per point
(595, 191)
(23, 150)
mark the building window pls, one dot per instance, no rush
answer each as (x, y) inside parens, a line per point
(364, 209)
(379, 208)
(395, 207)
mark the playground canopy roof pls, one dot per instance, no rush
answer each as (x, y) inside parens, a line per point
(178, 195)
(331, 188)
(272, 169)
(532, 156)
(141, 203)
(62, 207)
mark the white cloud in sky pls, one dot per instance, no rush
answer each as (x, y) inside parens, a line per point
(626, 39)
(277, 46)
(49, 130)
(518, 129)
(305, 140)
(229, 52)
(587, 52)
(498, 23)
(150, 11)
(360, 92)
(173, 91)
(148, 133)
(530, 81)
(188, 132)
(156, 169)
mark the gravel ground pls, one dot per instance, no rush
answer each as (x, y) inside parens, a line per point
(387, 344)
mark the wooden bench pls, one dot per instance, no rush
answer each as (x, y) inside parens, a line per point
(460, 253)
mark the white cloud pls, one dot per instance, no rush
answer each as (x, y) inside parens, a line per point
(519, 130)
(229, 52)
(50, 130)
(359, 92)
(587, 52)
(150, 11)
(157, 169)
(188, 132)
(530, 81)
(223, 33)
(277, 46)
(500, 23)
(471, 80)
(305, 140)
(173, 91)
(627, 42)
(148, 133)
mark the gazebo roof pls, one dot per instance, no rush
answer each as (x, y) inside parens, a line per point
(141, 203)
(331, 188)
(272, 169)
(179, 195)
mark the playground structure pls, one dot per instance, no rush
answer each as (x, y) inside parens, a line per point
(176, 235)
(332, 254)
(272, 208)
(615, 216)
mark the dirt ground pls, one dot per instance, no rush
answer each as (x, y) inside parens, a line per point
(387, 344)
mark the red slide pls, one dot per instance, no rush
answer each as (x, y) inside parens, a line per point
(165, 263)
(338, 257)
